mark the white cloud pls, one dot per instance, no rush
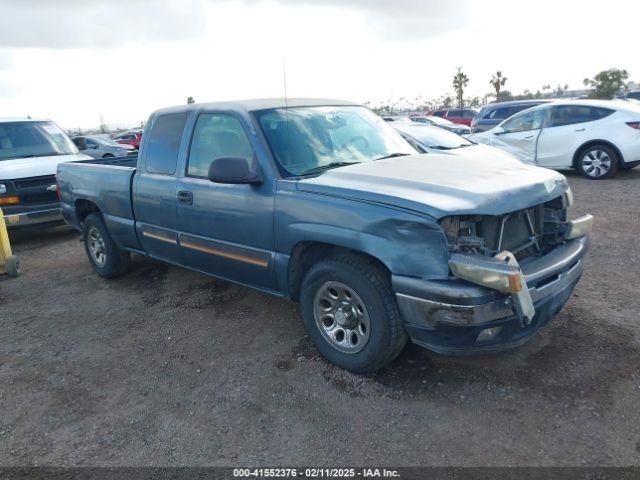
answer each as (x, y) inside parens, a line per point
(97, 24)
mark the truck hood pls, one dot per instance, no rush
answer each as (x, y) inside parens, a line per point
(441, 185)
(35, 166)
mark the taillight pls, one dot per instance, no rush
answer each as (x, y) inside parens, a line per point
(635, 125)
(57, 188)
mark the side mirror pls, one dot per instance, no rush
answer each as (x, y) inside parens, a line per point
(233, 170)
(498, 130)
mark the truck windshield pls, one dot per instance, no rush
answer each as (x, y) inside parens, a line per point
(310, 139)
(33, 139)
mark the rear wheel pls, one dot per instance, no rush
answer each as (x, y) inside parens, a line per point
(597, 162)
(108, 155)
(350, 313)
(107, 259)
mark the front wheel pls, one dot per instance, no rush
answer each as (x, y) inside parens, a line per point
(107, 259)
(597, 162)
(350, 313)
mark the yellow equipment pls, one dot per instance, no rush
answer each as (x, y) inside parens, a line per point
(9, 263)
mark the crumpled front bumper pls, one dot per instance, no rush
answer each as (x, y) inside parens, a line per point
(457, 317)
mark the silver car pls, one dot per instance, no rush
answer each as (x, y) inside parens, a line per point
(99, 147)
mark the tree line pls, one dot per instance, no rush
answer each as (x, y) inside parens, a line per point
(604, 85)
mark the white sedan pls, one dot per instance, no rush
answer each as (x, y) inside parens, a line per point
(594, 137)
(429, 139)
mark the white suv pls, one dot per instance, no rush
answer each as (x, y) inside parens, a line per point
(595, 137)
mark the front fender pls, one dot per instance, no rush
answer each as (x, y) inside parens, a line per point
(406, 243)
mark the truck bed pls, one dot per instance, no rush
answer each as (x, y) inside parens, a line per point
(106, 183)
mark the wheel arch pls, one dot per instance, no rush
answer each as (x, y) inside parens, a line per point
(83, 208)
(591, 143)
(307, 253)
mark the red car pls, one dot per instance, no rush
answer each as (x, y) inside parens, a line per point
(130, 138)
(456, 115)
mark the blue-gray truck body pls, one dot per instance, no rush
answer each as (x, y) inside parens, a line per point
(397, 210)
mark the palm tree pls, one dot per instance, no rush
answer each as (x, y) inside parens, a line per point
(498, 81)
(460, 81)
(190, 100)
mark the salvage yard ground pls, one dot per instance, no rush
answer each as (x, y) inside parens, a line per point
(168, 367)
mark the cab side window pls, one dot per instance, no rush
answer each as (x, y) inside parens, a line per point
(524, 122)
(164, 143)
(217, 135)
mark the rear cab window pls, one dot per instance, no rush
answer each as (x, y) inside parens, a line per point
(164, 143)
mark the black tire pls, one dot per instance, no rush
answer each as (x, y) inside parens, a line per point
(595, 153)
(371, 285)
(12, 266)
(108, 155)
(106, 258)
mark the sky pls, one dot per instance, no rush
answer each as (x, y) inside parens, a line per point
(80, 61)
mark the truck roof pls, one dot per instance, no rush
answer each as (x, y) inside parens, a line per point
(253, 105)
(22, 119)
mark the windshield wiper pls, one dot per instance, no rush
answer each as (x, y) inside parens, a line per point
(322, 168)
(393, 155)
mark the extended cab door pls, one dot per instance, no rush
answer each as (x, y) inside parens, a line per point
(155, 187)
(519, 134)
(567, 127)
(226, 229)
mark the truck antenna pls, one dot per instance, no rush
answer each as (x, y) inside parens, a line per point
(286, 103)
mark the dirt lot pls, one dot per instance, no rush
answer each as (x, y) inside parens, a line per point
(169, 367)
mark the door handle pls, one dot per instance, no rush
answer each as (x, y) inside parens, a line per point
(184, 197)
(530, 136)
(580, 130)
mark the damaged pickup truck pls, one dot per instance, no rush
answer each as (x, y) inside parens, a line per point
(322, 202)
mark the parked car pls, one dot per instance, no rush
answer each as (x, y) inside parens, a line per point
(456, 115)
(594, 137)
(129, 138)
(323, 202)
(456, 128)
(429, 139)
(30, 151)
(99, 147)
(633, 95)
(494, 113)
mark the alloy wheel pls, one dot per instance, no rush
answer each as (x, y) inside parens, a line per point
(596, 163)
(341, 317)
(97, 247)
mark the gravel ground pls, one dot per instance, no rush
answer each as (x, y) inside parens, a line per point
(168, 367)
